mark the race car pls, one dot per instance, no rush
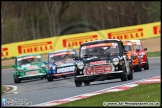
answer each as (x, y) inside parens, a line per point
(101, 60)
(61, 64)
(136, 60)
(141, 51)
(29, 66)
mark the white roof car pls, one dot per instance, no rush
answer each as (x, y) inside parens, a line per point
(135, 40)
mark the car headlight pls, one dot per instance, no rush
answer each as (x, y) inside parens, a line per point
(20, 69)
(134, 56)
(141, 55)
(115, 61)
(53, 67)
(80, 65)
(43, 66)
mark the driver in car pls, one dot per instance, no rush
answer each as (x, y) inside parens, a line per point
(23, 62)
(111, 50)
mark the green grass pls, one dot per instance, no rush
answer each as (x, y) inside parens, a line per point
(154, 54)
(6, 67)
(2, 89)
(141, 93)
(7, 58)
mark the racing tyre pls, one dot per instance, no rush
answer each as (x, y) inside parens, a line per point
(49, 78)
(45, 76)
(86, 83)
(17, 80)
(124, 75)
(138, 68)
(146, 66)
(64, 77)
(42, 77)
(130, 76)
(78, 83)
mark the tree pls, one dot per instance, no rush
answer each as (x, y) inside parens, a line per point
(55, 10)
(153, 10)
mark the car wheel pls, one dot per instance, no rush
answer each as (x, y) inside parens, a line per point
(49, 78)
(130, 76)
(86, 83)
(45, 76)
(78, 83)
(146, 66)
(124, 75)
(42, 77)
(138, 68)
(17, 80)
(64, 77)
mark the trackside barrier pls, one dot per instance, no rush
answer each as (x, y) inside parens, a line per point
(47, 45)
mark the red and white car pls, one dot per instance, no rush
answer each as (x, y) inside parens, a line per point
(141, 51)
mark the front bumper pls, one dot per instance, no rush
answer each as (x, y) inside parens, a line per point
(143, 61)
(34, 75)
(64, 74)
(134, 65)
(95, 77)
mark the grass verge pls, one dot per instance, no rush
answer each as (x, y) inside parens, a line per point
(141, 93)
(6, 67)
(2, 89)
(154, 54)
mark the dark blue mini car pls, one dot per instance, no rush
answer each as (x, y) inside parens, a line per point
(61, 64)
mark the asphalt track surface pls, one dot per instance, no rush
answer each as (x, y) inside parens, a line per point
(39, 91)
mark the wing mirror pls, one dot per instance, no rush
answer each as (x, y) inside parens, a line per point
(45, 62)
(137, 50)
(145, 49)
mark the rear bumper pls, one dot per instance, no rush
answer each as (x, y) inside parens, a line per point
(99, 77)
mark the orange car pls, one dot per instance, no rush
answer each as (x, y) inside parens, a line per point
(136, 60)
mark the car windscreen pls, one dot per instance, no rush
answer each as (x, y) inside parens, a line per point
(99, 49)
(128, 48)
(56, 57)
(28, 59)
(137, 45)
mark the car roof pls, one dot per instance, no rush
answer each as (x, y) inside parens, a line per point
(104, 40)
(28, 55)
(126, 41)
(61, 51)
(135, 40)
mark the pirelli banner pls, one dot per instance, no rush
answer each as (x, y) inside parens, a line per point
(47, 45)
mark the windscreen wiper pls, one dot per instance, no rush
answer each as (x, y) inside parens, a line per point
(90, 56)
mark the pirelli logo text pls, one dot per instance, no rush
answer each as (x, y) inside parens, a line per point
(157, 30)
(71, 42)
(4, 52)
(126, 34)
(35, 47)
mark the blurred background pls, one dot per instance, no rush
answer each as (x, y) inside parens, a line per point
(22, 21)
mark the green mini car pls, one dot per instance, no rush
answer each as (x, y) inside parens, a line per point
(29, 66)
